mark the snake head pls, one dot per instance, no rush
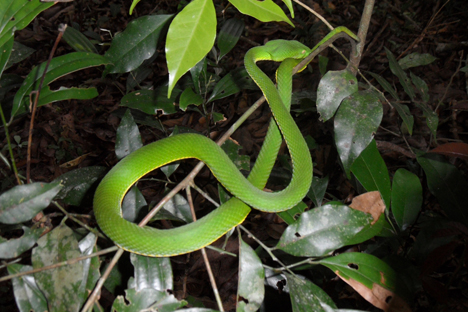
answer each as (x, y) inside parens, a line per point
(280, 50)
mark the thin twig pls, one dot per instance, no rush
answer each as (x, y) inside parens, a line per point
(62, 29)
(12, 156)
(205, 257)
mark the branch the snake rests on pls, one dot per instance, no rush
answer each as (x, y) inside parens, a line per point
(246, 191)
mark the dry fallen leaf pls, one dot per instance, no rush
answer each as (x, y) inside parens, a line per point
(371, 203)
(380, 297)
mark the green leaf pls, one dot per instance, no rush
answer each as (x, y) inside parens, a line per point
(264, 11)
(16, 15)
(177, 209)
(355, 123)
(432, 120)
(146, 299)
(196, 71)
(370, 170)
(333, 88)
(27, 295)
(57, 246)
(317, 190)
(59, 66)
(77, 184)
(306, 296)
(323, 229)
(229, 35)
(416, 59)
(188, 97)
(406, 198)
(290, 7)
(447, 184)
(12, 248)
(398, 71)
(23, 202)
(62, 94)
(5, 54)
(132, 205)
(405, 115)
(78, 41)
(242, 162)
(375, 280)
(128, 138)
(231, 83)
(323, 63)
(421, 87)
(153, 273)
(386, 85)
(250, 291)
(91, 266)
(151, 101)
(289, 216)
(136, 43)
(190, 37)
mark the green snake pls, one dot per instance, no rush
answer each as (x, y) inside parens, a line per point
(246, 191)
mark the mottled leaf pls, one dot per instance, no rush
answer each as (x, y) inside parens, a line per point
(355, 123)
(23, 202)
(153, 273)
(250, 291)
(333, 88)
(28, 296)
(14, 247)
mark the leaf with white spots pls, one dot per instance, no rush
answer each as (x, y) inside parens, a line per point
(355, 123)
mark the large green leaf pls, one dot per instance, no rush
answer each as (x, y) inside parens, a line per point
(265, 11)
(154, 273)
(355, 123)
(332, 89)
(406, 198)
(59, 285)
(23, 202)
(17, 14)
(250, 291)
(324, 229)
(447, 184)
(190, 37)
(370, 170)
(374, 279)
(136, 43)
(58, 67)
(229, 35)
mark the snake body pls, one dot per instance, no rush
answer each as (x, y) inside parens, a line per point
(246, 191)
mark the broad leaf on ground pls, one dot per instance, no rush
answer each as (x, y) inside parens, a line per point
(153, 273)
(28, 296)
(128, 138)
(306, 296)
(14, 247)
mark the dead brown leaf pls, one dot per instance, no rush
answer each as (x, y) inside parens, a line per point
(371, 203)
